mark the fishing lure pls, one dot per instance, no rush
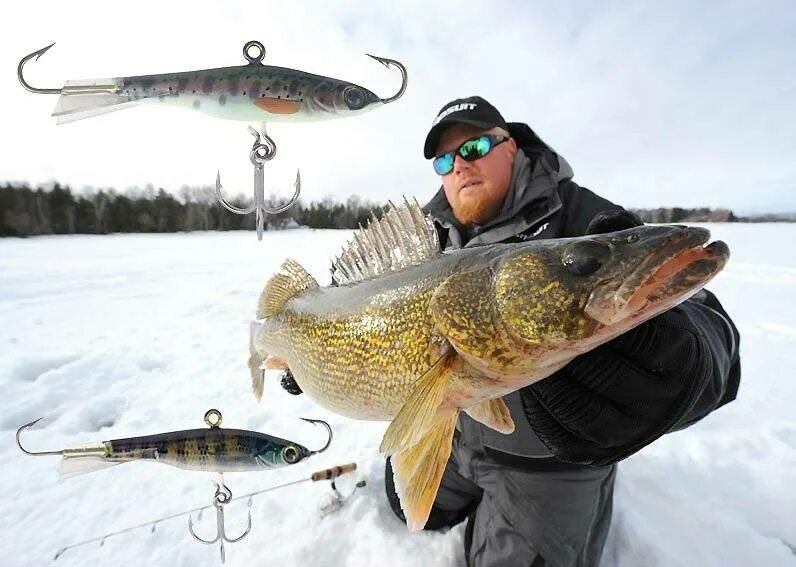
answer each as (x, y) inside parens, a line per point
(252, 92)
(215, 450)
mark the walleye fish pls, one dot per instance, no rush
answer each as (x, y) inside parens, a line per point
(415, 336)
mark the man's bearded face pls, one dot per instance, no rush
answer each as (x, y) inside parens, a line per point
(476, 189)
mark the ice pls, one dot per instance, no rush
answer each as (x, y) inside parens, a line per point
(124, 335)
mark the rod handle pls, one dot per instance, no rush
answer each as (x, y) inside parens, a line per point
(334, 472)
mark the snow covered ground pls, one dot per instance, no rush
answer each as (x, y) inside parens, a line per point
(124, 335)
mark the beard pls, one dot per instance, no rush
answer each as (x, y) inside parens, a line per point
(474, 206)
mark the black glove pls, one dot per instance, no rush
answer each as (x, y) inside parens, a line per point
(289, 384)
(610, 402)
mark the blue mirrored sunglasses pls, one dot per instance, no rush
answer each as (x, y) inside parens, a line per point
(470, 150)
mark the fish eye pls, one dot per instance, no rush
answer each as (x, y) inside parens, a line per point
(354, 98)
(290, 454)
(585, 257)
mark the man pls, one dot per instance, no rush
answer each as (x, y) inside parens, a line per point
(543, 495)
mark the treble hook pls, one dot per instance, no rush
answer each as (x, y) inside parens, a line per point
(261, 152)
(328, 429)
(404, 77)
(222, 497)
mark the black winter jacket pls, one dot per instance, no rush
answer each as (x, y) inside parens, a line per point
(663, 375)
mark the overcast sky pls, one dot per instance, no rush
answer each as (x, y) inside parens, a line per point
(653, 103)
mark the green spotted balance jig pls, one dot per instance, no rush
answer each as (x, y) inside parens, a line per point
(253, 93)
(214, 450)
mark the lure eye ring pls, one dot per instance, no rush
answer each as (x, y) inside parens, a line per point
(252, 59)
(290, 454)
(354, 98)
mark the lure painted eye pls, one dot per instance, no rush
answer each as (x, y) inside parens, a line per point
(585, 257)
(354, 98)
(290, 454)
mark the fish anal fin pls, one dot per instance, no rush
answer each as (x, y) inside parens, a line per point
(417, 471)
(290, 281)
(421, 408)
(494, 414)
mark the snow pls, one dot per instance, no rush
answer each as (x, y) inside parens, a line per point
(125, 335)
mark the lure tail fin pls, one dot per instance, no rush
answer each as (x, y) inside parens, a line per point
(77, 106)
(78, 465)
(82, 460)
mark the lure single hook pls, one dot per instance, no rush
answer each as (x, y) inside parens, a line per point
(328, 429)
(404, 77)
(222, 497)
(34, 453)
(21, 78)
(263, 150)
(72, 89)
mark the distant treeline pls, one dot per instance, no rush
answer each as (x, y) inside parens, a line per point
(25, 211)
(706, 214)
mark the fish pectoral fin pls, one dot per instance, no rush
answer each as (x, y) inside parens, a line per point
(494, 414)
(420, 410)
(417, 471)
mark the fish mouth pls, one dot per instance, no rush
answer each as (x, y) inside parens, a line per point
(677, 265)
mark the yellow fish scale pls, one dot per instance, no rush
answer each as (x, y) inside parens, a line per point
(550, 311)
(363, 364)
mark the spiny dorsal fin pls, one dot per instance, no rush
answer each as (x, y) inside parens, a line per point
(287, 283)
(403, 237)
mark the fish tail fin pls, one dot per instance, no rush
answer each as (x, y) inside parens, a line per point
(81, 464)
(494, 414)
(77, 106)
(290, 281)
(257, 375)
(258, 362)
(417, 471)
(255, 362)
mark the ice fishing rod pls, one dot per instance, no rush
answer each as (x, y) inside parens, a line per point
(224, 497)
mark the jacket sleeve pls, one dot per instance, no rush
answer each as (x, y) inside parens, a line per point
(663, 375)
